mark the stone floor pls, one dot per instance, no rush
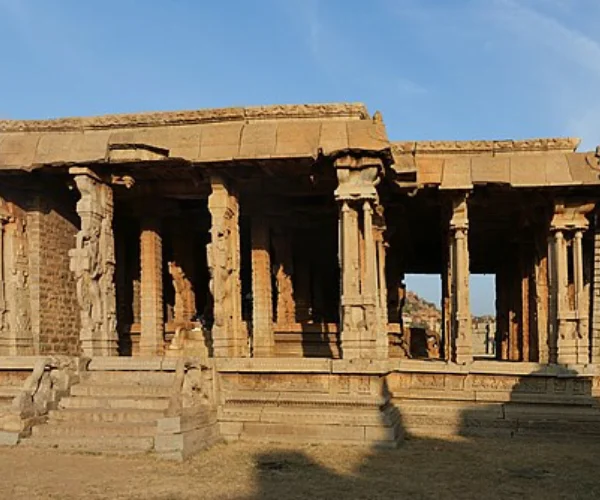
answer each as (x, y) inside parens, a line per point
(481, 468)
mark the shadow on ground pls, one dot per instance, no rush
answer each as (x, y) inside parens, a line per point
(545, 462)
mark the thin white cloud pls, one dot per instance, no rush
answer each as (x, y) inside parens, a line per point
(573, 56)
(332, 51)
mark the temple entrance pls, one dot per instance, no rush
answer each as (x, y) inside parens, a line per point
(162, 278)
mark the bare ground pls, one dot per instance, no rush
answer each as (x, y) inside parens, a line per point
(481, 468)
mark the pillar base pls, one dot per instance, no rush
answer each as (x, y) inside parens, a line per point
(99, 348)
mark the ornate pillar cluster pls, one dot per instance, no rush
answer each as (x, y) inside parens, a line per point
(228, 337)
(461, 344)
(93, 262)
(363, 326)
(569, 341)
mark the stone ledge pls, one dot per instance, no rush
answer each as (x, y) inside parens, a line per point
(275, 365)
(214, 115)
(19, 362)
(150, 363)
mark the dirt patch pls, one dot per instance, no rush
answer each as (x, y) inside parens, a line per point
(483, 468)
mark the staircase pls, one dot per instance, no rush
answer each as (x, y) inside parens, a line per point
(108, 412)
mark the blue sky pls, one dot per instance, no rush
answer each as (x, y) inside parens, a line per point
(444, 69)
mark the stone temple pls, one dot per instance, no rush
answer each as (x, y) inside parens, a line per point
(169, 280)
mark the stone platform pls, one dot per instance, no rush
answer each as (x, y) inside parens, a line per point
(351, 402)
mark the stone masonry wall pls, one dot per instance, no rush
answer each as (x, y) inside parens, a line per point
(52, 226)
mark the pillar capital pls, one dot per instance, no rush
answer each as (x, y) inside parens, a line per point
(357, 178)
(571, 215)
(459, 220)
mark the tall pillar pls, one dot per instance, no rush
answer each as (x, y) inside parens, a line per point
(263, 338)
(151, 288)
(362, 335)
(93, 262)
(542, 305)
(381, 283)
(223, 254)
(461, 321)
(352, 316)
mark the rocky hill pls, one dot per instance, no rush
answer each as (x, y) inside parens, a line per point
(420, 312)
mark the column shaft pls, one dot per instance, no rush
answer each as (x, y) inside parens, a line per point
(151, 287)
(263, 337)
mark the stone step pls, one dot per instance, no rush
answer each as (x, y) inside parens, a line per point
(81, 415)
(145, 378)
(87, 430)
(118, 445)
(128, 390)
(137, 403)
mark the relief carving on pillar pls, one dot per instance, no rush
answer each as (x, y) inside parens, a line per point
(223, 256)
(15, 309)
(93, 262)
(17, 286)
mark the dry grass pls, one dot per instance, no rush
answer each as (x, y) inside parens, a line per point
(482, 468)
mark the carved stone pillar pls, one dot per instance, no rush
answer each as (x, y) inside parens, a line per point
(362, 332)
(570, 339)
(223, 254)
(263, 338)
(461, 321)
(381, 284)
(16, 336)
(93, 262)
(151, 288)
